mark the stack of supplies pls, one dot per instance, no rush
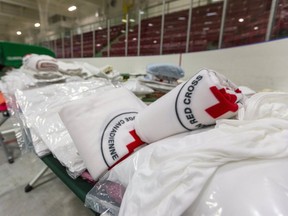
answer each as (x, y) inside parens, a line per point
(42, 67)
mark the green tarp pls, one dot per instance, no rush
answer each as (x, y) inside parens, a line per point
(11, 54)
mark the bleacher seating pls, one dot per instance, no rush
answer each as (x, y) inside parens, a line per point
(204, 32)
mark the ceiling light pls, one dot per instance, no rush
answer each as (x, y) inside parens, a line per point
(141, 12)
(37, 25)
(100, 28)
(256, 28)
(181, 18)
(96, 14)
(150, 24)
(241, 20)
(211, 14)
(124, 20)
(72, 8)
(131, 20)
(18, 32)
(155, 41)
(98, 45)
(134, 39)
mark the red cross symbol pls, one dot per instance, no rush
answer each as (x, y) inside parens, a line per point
(136, 143)
(131, 146)
(226, 103)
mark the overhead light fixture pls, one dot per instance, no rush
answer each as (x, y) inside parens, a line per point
(72, 8)
(211, 14)
(256, 27)
(241, 20)
(150, 24)
(155, 41)
(131, 20)
(141, 12)
(96, 14)
(124, 20)
(37, 25)
(98, 45)
(181, 18)
(100, 28)
(18, 32)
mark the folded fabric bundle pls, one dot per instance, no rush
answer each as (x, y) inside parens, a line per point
(265, 104)
(40, 62)
(43, 76)
(102, 128)
(47, 75)
(69, 68)
(199, 102)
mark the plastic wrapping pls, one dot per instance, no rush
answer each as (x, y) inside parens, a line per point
(137, 88)
(245, 188)
(105, 197)
(14, 80)
(40, 107)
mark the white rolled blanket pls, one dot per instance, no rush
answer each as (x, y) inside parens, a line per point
(102, 128)
(199, 102)
(40, 62)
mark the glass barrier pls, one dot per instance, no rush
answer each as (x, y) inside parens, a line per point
(176, 27)
(280, 28)
(246, 22)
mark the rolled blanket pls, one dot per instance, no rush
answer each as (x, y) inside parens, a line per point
(199, 102)
(102, 128)
(40, 62)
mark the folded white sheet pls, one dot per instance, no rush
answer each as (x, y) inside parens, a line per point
(102, 128)
(70, 68)
(40, 62)
(265, 104)
(199, 102)
(172, 175)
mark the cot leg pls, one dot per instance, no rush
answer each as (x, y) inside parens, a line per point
(29, 187)
(8, 154)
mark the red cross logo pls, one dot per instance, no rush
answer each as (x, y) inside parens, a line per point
(226, 103)
(131, 146)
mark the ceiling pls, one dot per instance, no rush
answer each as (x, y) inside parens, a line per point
(53, 15)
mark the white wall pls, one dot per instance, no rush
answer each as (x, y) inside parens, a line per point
(260, 66)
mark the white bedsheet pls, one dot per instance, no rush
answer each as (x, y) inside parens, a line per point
(171, 175)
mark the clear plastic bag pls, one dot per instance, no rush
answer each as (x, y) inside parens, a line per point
(105, 197)
(40, 107)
